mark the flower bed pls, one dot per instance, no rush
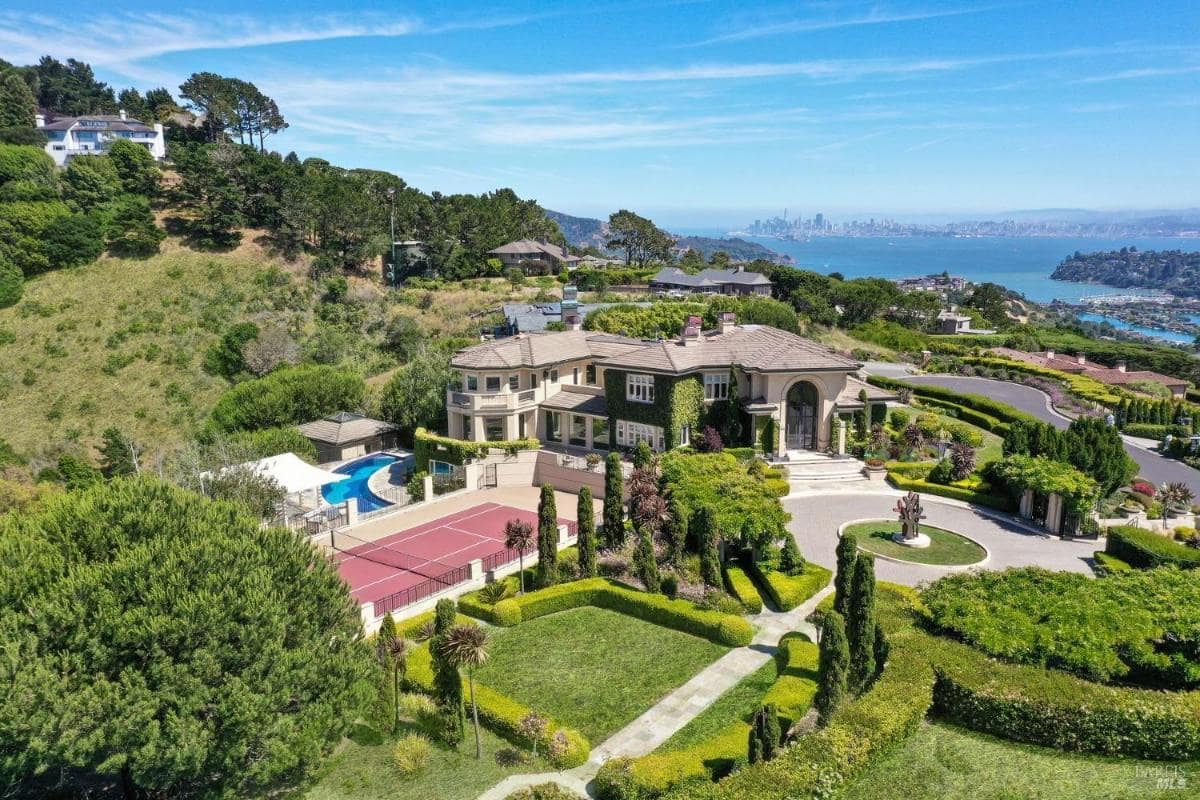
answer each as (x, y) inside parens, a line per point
(680, 615)
(906, 481)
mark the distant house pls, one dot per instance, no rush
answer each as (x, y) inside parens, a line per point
(345, 435)
(952, 323)
(1078, 365)
(94, 134)
(534, 257)
(712, 281)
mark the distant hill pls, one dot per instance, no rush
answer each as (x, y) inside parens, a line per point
(1171, 271)
(586, 231)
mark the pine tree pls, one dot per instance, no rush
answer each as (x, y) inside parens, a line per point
(861, 624)
(847, 553)
(547, 566)
(644, 565)
(765, 734)
(585, 527)
(614, 507)
(447, 683)
(704, 526)
(118, 454)
(790, 560)
(833, 666)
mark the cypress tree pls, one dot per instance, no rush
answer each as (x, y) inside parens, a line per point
(847, 553)
(547, 566)
(790, 560)
(675, 531)
(833, 666)
(447, 683)
(644, 564)
(883, 649)
(585, 529)
(704, 525)
(614, 508)
(860, 624)
(765, 734)
(387, 694)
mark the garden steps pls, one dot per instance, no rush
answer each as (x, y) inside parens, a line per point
(806, 467)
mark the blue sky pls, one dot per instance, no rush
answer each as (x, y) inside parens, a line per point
(699, 113)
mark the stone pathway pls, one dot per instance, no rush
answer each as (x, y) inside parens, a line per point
(681, 706)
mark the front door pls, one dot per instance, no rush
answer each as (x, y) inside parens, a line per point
(800, 431)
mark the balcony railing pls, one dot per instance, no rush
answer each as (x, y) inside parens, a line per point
(489, 401)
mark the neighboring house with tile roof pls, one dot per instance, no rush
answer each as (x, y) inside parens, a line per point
(737, 280)
(534, 257)
(1078, 365)
(93, 134)
(600, 391)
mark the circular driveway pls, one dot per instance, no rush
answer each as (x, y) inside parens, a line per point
(816, 517)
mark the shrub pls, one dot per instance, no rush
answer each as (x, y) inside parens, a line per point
(1144, 488)
(543, 791)
(788, 591)
(898, 420)
(494, 592)
(723, 484)
(410, 754)
(1146, 549)
(983, 496)
(72, 240)
(1107, 565)
(738, 584)
(289, 396)
(130, 230)
(416, 486)
(11, 283)
(681, 615)
(1145, 430)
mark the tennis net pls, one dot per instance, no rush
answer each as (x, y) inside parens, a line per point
(390, 556)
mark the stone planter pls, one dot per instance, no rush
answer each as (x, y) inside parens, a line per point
(875, 473)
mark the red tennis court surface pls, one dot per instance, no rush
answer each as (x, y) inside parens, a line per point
(430, 557)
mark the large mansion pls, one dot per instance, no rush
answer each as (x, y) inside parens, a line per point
(68, 137)
(600, 391)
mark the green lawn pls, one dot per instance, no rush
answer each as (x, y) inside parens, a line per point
(942, 761)
(592, 669)
(737, 703)
(948, 548)
(363, 771)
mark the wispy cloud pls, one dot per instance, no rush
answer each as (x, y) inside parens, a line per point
(1137, 74)
(796, 25)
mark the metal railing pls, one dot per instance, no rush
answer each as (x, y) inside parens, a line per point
(422, 590)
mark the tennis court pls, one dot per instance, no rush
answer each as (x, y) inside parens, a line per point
(404, 567)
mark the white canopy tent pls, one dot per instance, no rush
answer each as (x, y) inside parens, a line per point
(295, 475)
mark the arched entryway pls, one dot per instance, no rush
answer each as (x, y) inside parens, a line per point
(801, 418)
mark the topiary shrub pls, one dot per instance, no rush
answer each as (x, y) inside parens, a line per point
(507, 613)
(410, 754)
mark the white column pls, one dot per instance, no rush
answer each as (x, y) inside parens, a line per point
(368, 613)
(475, 569)
(587, 423)
(428, 482)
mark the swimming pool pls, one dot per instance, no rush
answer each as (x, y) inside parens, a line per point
(355, 487)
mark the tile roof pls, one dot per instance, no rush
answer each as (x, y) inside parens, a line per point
(1118, 378)
(1113, 377)
(848, 397)
(113, 123)
(344, 427)
(531, 247)
(570, 399)
(751, 347)
(543, 348)
(709, 277)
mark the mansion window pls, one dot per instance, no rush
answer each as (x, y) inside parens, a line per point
(514, 382)
(589, 375)
(492, 382)
(472, 383)
(493, 429)
(630, 433)
(639, 388)
(716, 387)
(467, 429)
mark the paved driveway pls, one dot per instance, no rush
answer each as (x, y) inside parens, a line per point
(816, 517)
(1151, 466)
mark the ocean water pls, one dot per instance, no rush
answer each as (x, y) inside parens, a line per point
(1022, 264)
(1157, 333)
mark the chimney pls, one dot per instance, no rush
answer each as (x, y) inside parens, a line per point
(124, 117)
(1081, 358)
(1049, 355)
(726, 321)
(1120, 366)
(39, 120)
(691, 332)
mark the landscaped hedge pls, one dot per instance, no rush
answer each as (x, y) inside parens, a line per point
(500, 713)
(788, 591)
(1080, 386)
(977, 418)
(912, 484)
(1144, 430)
(1108, 565)
(681, 615)
(428, 446)
(859, 732)
(738, 583)
(977, 402)
(1145, 549)
(736, 492)
(652, 775)
(1055, 709)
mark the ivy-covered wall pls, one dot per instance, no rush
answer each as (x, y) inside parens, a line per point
(678, 401)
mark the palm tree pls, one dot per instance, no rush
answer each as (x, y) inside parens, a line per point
(398, 650)
(518, 535)
(466, 646)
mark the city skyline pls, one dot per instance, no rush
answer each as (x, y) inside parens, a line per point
(700, 113)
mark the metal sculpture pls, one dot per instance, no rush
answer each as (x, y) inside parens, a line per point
(911, 514)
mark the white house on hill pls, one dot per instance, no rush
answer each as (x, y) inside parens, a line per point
(94, 134)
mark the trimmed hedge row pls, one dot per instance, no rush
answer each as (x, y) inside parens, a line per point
(500, 713)
(1145, 430)
(738, 583)
(859, 732)
(1081, 386)
(1107, 565)
(997, 501)
(1054, 709)
(788, 591)
(1146, 549)
(681, 615)
(1001, 412)
(965, 414)
(428, 446)
(652, 775)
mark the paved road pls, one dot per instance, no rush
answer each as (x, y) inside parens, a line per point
(1151, 466)
(816, 517)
